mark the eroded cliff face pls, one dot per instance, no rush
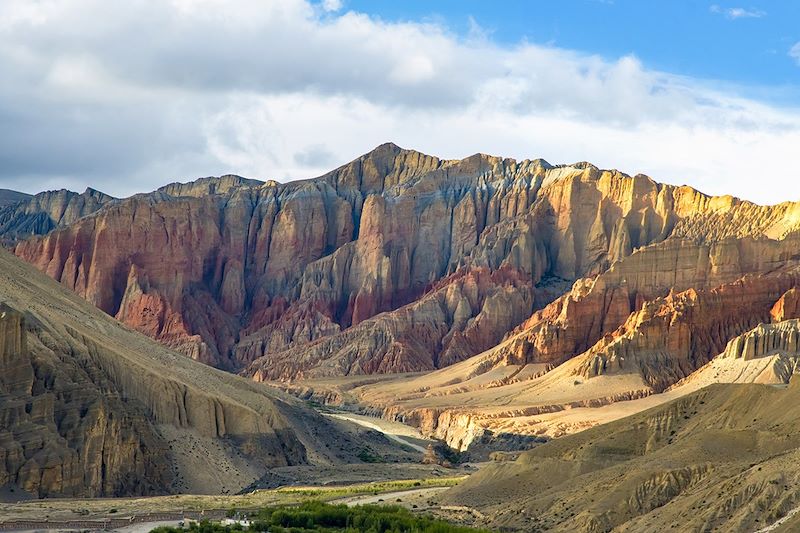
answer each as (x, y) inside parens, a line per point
(363, 269)
(64, 431)
(89, 407)
(655, 321)
(596, 307)
(467, 314)
(45, 211)
(670, 338)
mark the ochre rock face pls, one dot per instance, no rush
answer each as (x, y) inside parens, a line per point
(787, 307)
(669, 338)
(767, 339)
(400, 261)
(596, 307)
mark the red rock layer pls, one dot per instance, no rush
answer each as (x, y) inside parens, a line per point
(464, 315)
(597, 307)
(671, 337)
(230, 270)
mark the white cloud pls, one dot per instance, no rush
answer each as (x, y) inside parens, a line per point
(734, 13)
(794, 52)
(331, 5)
(142, 93)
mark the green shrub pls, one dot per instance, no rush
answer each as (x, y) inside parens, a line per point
(318, 517)
(366, 455)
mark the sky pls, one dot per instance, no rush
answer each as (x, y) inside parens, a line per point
(125, 97)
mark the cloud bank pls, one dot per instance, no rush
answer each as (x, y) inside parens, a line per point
(128, 96)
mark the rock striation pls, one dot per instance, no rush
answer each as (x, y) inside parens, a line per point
(25, 216)
(337, 274)
(64, 433)
(596, 307)
(90, 408)
(466, 314)
(670, 338)
(9, 197)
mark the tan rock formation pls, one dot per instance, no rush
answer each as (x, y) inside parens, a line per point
(669, 338)
(769, 354)
(230, 270)
(765, 340)
(787, 307)
(61, 434)
(724, 458)
(624, 335)
(597, 307)
(89, 407)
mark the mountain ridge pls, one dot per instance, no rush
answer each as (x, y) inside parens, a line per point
(371, 236)
(92, 408)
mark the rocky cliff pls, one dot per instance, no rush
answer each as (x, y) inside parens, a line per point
(39, 214)
(9, 197)
(65, 433)
(90, 408)
(396, 261)
(670, 338)
(652, 322)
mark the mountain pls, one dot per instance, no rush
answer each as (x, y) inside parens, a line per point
(724, 458)
(91, 408)
(650, 328)
(39, 214)
(495, 305)
(8, 197)
(400, 261)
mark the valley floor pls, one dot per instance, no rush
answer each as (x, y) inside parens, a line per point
(394, 479)
(77, 513)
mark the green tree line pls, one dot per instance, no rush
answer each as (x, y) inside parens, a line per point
(321, 517)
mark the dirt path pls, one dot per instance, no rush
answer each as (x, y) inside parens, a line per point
(146, 527)
(378, 427)
(390, 497)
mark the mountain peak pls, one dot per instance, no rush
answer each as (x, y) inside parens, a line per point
(209, 186)
(9, 197)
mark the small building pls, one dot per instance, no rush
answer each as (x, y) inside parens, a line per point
(233, 521)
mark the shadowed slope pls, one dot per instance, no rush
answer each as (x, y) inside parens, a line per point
(9, 197)
(90, 407)
(39, 214)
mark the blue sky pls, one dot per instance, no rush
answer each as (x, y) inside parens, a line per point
(740, 42)
(127, 96)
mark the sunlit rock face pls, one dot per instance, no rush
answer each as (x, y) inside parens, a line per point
(399, 261)
(61, 433)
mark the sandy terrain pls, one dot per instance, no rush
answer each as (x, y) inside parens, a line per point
(724, 458)
(146, 527)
